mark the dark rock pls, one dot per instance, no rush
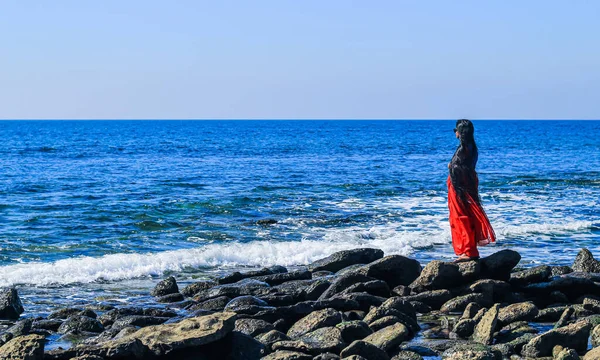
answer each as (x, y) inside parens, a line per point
(365, 301)
(230, 278)
(354, 330)
(550, 314)
(235, 346)
(287, 355)
(138, 321)
(341, 304)
(65, 313)
(327, 356)
(193, 289)
(420, 307)
(571, 284)
(342, 259)
(394, 270)
(469, 271)
(364, 349)
(484, 330)
(458, 304)
(574, 336)
(375, 287)
(253, 327)
(401, 290)
(20, 328)
(350, 269)
(171, 298)
(585, 262)
(343, 282)
(281, 300)
(313, 321)
(595, 336)
(433, 298)
(592, 304)
(469, 352)
(47, 324)
(437, 275)
(243, 302)
(560, 270)
(464, 328)
(10, 304)
(525, 311)
(421, 350)
(354, 315)
(564, 318)
(80, 323)
(505, 350)
(321, 274)
(389, 337)
(280, 278)
(316, 289)
(327, 339)
(165, 287)
(383, 322)
(500, 264)
(266, 222)
(271, 337)
(88, 313)
(470, 311)
(533, 275)
(30, 347)
(215, 304)
(380, 312)
(401, 305)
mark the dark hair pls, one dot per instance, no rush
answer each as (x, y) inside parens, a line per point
(464, 161)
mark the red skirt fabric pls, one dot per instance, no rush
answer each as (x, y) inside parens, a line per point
(468, 223)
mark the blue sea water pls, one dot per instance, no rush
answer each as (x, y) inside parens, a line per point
(97, 210)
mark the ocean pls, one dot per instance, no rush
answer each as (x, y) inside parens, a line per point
(98, 211)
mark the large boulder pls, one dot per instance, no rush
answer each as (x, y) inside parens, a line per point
(433, 298)
(194, 288)
(389, 337)
(394, 270)
(341, 259)
(343, 282)
(313, 321)
(574, 336)
(10, 304)
(354, 330)
(593, 354)
(585, 262)
(437, 275)
(287, 355)
(280, 278)
(533, 275)
(327, 339)
(79, 323)
(500, 264)
(484, 330)
(525, 311)
(459, 303)
(29, 347)
(253, 327)
(165, 287)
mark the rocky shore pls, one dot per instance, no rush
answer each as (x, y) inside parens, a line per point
(356, 304)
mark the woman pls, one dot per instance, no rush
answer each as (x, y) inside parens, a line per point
(469, 224)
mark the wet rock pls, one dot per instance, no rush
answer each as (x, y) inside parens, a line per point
(343, 282)
(574, 336)
(230, 278)
(500, 264)
(433, 298)
(470, 311)
(437, 275)
(21, 328)
(338, 303)
(109, 317)
(484, 330)
(287, 355)
(561, 353)
(316, 289)
(65, 313)
(376, 288)
(327, 356)
(469, 352)
(327, 339)
(341, 259)
(30, 347)
(398, 308)
(560, 270)
(193, 289)
(80, 323)
(525, 311)
(497, 288)
(389, 337)
(253, 327)
(321, 274)
(364, 349)
(354, 330)
(459, 304)
(138, 321)
(215, 304)
(394, 270)
(533, 275)
(243, 302)
(420, 307)
(418, 349)
(585, 262)
(505, 350)
(276, 279)
(383, 322)
(407, 355)
(10, 304)
(313, 321)
(171, 298)
(469, 271)
(165, 287)
(564, 318)
(235, 346)
(47, 324)
(401, 290)
(591, 304)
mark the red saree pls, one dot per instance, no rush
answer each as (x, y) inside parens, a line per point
(468, 223)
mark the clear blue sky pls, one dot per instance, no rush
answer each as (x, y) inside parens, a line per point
(299, 59)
